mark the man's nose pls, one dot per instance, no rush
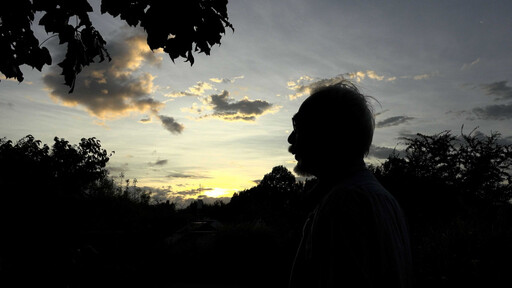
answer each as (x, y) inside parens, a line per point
(291, 138)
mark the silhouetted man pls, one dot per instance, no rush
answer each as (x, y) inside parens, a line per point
(355, 235)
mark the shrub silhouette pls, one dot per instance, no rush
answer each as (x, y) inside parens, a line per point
(456, 194)
(66, 223)
(58, 203)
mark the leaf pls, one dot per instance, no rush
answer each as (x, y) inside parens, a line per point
(190, 58)
(180, 27)
(66, 34)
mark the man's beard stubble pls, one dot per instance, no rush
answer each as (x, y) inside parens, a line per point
(300, 169)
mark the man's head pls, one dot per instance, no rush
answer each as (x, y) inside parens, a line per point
(332, 130)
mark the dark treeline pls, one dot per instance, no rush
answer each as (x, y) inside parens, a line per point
(67, 223)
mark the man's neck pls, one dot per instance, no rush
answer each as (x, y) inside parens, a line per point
(332, 176)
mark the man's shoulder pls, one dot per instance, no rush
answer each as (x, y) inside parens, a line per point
(362, 181)
(362, 188)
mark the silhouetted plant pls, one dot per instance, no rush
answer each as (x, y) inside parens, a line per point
(456, 193)
(194, 26)
(476, 165)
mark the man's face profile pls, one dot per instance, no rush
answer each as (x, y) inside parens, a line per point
(303, 142)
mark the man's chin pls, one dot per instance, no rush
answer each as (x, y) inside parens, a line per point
(301, 170)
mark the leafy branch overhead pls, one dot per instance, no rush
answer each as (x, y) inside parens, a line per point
(179, 28)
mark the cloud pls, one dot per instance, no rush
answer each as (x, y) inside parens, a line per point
(177, 174)
(404, 134)
(373, 75)
(501, 91)
(382, 152)
(197, 90)
(358, 76)
(111, 89)
(226, 80)
(229, 109)
(423, 76)
(416, 77)
(467, 66)
(170, 124)
(361, 75)
(183, 198)
(146, 120)
(498, 89)
(381, 112)
(158, 163)
(494, 112)
(468, 115)
(193, 192)
(393, 121)
(306, 84)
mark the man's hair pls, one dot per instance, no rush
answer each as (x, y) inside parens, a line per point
(344, 109)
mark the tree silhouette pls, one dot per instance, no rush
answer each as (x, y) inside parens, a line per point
(58, 206)
(179, 28)
(455, 192)
(279, 179)
(35, 173)
(473, 164)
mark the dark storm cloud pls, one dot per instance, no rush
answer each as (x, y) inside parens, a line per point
(501, 91)
(111, 89)
(171, 125)
(498, 89)
(494, 112)
(393, 121)
(229, 109)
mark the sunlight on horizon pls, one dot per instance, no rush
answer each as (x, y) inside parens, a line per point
(220, 192)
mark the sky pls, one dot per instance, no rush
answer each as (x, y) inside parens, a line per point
(217, 127)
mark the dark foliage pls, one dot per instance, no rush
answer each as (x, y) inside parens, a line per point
(456, 193)
(66, 223)
(180, 28)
